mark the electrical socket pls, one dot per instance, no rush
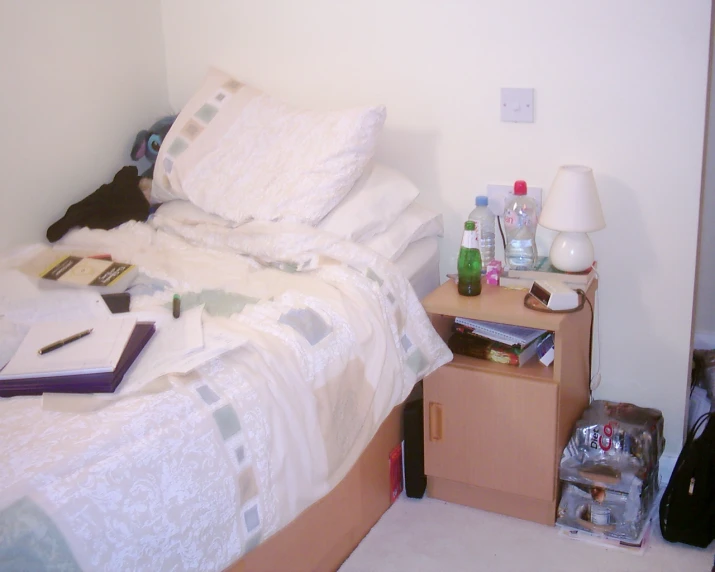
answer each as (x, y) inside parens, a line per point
(498, 195)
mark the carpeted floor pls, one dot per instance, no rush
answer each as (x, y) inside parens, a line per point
(429, 535)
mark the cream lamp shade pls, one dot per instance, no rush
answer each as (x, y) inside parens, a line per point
(573, 208)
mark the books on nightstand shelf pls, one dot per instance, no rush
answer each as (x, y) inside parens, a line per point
(483, 348)
(500, 343)
(545, 350)
(503, 333)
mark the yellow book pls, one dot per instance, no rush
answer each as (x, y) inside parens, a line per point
(105, 276)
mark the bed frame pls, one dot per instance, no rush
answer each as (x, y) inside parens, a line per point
(324, 535)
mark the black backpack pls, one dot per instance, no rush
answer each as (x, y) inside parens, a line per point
(687, 509)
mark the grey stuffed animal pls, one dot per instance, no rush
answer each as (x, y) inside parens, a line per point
(148, 142)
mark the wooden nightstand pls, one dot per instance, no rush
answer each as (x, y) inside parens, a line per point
(494, 433)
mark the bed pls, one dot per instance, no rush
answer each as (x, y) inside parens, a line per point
(268, 447)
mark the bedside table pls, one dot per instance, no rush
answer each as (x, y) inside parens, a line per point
(494, 433)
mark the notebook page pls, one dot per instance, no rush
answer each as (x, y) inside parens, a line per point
(504, 333)
(96, 353)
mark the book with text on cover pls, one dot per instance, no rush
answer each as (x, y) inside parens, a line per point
(465, 343)
(543, 270)
(545, 350)
(106, 276)
(507, 334)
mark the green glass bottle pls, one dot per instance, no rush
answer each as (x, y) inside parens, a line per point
(469, 264)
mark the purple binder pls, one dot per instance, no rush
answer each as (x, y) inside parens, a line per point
(105, 382)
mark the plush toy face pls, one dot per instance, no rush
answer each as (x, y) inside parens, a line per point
(148, 141)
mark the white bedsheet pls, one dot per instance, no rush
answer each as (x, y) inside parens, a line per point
(189, 472)
(419, 263)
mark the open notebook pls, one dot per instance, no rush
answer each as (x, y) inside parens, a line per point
(520, 336)
(95, 353)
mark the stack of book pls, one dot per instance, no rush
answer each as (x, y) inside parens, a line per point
(87, 356)
(500, 343)
(545, 349)
(543, 270)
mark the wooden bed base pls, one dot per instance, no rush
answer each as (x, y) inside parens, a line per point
(324, 535)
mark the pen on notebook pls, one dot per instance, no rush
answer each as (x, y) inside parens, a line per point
(59, 343)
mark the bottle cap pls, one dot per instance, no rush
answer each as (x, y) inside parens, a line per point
(469, 225)
(520, 188)
(482, 201)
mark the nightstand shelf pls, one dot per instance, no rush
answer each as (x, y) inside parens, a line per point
(494, 433)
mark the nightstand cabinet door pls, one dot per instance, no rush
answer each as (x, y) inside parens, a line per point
(492, 431)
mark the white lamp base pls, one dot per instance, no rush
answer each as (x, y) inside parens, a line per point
(572, 252)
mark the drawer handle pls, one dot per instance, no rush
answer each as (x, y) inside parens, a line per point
(435, 421)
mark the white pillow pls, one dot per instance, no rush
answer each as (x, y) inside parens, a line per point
(185, 212)
(376, 200)
(241, 154)
(415, 222)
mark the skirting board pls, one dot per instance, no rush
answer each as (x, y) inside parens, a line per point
(704, 340)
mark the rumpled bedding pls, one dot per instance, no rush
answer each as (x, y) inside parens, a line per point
(191, 471)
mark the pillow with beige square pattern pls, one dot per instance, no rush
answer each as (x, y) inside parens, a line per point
(241, 154)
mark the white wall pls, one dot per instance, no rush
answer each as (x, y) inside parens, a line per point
(620, 86)
(705, 300)
(80, 78)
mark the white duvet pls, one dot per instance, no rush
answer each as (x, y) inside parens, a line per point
(191, 471)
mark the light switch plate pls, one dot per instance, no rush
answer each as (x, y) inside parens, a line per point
(517, 104)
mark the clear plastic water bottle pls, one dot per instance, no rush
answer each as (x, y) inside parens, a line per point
(484, 225)
(520, 224)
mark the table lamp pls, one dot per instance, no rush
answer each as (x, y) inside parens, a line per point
(573, 208)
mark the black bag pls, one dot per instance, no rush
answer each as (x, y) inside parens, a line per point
(687, 509)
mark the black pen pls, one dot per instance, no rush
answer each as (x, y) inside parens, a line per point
(59, 343)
